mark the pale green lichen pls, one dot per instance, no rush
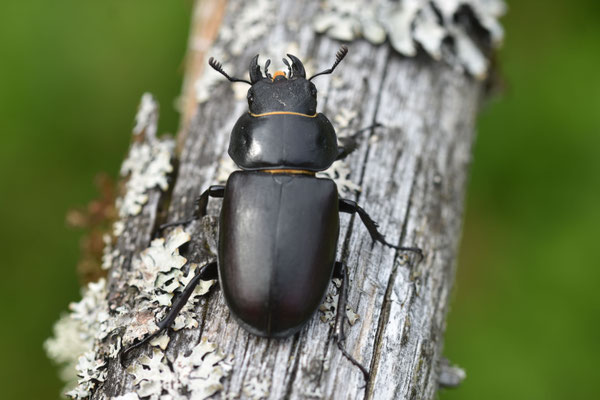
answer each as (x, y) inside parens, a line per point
(408, 24)
(198, 374)
(148, 163)
(257, 389)
(158, 274)
(339, 172)
(330, 305)
(75, 335)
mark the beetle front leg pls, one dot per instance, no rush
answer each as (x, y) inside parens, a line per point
(216, 191)
(350, 143)
(350, 207)
(208, 272)
(341, 272)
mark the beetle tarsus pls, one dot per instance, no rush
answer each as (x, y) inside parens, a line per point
(207, 272)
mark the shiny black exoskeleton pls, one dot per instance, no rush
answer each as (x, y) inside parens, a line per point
(279, 223)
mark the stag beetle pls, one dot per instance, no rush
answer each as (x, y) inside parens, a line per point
(279, 223)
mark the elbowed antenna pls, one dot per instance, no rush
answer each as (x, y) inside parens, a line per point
(338, 58)
(219, 68)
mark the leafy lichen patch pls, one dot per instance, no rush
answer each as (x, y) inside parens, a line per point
(199, 373)
(92, 333)
(257, 389)
(75, 336)
(437, 26)
(339, 172)
(330, 305)
(148, 162)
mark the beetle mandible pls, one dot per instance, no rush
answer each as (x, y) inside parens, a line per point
(279, 223)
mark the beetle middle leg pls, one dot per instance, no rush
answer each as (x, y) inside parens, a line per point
(207, 272)
(341, 272)
(216, 191)
(351, 207)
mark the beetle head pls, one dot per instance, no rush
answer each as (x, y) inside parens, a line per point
(281, 91)
(290, 92)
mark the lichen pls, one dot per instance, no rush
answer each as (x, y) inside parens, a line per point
(256, 388)
(148, 163)
(330, 304)
(437, 26)
(146, 118)
(158, 273)
(91, 370)
(147, 166)
(75, 335)
(339, 172)
(199, 374)
(254, 19)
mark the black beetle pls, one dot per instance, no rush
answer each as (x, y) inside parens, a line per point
(279, 224)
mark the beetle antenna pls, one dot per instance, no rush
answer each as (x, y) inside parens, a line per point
(217, 66)
(267, 74)
(339, 56)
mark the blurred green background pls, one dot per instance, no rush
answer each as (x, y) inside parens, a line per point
(524, 318)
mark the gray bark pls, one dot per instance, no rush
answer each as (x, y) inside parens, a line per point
(412, 173)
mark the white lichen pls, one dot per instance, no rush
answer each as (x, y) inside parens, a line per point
(91, 370)
(159, 270)
(339, 172)
(257, 389)
(199, 373)
(344, 117)
(158, 273)
(128, 396)
(74, 339)
(330, 304)
(254, 19)
(148, 163)
(431, 24)
(146, 119)
(147, 166)
(109, 253)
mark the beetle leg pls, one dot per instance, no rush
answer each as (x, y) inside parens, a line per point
(217, 191)
(338, 331)
(350, 143)
(349, 206)
(205, 273)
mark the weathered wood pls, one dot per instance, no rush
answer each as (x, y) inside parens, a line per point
(412, 173)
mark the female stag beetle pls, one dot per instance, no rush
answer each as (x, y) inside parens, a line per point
(279, 224)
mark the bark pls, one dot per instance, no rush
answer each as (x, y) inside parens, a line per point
(412, 173)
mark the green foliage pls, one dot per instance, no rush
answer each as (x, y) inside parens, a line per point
(72, 73)
(524, 316)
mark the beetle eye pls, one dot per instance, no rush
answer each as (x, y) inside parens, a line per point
(250, 97)
(313, 91)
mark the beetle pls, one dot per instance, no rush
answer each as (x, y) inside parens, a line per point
(279, 223)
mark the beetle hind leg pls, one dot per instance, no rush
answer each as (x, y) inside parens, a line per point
(207, 272)
(341, 272)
